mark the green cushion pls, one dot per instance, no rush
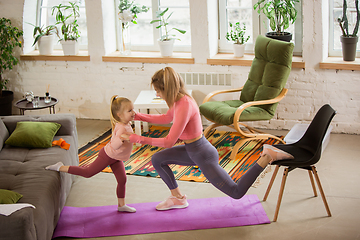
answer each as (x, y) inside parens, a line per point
(9, 197)
(33, 134)
(269, 71)
(223, 112)
(268, 75)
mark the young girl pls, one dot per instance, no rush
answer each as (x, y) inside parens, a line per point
(114, 153)
(184, 113)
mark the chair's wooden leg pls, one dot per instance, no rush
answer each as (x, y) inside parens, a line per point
(312, 182)
(207, 130)
(236, 148)
(286, 171)
(271, 183)
(321, 190)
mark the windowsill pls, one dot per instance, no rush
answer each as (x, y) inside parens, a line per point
(229, 59)
(339, 63)
(57, 55)
(149, 57)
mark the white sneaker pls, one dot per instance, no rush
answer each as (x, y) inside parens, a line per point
(172, 202)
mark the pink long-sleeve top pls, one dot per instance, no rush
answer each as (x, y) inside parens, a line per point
(186, 125)
(116, 148)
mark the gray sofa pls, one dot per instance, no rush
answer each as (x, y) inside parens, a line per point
(22, 170)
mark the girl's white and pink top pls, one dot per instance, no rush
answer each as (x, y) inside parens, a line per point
(116, 148)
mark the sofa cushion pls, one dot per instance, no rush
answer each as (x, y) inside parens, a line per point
(4, 133)
(33, 134)
(9, 197)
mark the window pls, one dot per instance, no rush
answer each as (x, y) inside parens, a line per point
(232, 11)
(336, 9)
(44, 18)
(144, 35)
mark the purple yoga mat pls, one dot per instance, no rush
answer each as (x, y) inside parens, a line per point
(205, 213)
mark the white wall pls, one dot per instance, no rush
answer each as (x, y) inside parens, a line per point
(85, 88)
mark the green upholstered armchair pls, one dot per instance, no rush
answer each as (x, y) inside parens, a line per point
(260, 95)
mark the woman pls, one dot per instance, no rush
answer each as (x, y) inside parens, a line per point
(184, 114)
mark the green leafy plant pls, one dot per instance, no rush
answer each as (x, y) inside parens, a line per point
(281, 13)
(344, 22)
(9, 39)
(44, 31)
(237, 34)
(66, 16)
(163, 23)
(129, 10)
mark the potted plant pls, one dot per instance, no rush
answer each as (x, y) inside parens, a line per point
(349, 41)
(237, 35)
(281, 14)
(66, 16)
(9, 39)
(44, 37)
(166, 41)
(128, 11)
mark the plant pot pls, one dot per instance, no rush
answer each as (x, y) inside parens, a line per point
(283, 36)
(70, 47)
(46, 45)
(6, 103)
(239, 50)
(166, 47)
(349, 47)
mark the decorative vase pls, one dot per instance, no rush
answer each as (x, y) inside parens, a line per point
(349, 47)
(70, 47)
(239, 50)
(166, 47)
(46, 45)
(125, 38)
(284, 36)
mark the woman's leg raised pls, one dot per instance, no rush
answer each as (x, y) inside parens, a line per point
(206, 157)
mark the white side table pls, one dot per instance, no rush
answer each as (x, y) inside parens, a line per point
(147, 100)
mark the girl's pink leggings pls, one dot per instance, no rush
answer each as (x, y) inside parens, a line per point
(101, 162)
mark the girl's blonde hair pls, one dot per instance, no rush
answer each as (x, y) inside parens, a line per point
(117, 105)
(169, 83)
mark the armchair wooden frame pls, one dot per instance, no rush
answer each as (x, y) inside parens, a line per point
(249, 133)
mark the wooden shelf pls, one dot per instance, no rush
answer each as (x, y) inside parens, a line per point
(149, 57)
(340, 64)
(57, 55)
(229, 59)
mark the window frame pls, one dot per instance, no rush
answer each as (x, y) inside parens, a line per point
(259, 28)
(331, 51)
(57, 45)
(155, 5)
(224, 45)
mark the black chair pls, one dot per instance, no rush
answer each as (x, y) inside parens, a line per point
(306, 152)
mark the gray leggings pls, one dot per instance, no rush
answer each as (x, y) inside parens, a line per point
(203, 154)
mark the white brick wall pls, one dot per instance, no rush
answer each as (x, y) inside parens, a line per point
(85, 88)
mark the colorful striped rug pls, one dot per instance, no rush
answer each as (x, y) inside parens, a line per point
(140, 159)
